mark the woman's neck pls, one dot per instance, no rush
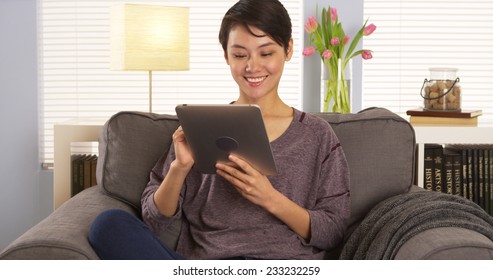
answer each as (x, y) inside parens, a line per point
(270, 106)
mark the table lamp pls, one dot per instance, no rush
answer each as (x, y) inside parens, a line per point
(149, 38)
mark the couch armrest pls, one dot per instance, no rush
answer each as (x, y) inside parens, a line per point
(447, 243)
(63, 234)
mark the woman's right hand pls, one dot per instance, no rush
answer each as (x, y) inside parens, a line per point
(167, 195)
(184, 158)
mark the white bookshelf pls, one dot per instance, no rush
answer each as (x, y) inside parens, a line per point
(64, 135)
(448, 135)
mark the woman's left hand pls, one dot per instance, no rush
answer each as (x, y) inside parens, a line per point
(248, 181)
(256, 187)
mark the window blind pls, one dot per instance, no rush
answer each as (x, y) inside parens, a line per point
(415, 35)
(76, 81)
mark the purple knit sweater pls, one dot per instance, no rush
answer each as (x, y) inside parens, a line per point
(219, 223)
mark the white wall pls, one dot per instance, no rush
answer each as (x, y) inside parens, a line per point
(20, 203)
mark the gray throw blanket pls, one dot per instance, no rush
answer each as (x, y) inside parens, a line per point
(395, 220)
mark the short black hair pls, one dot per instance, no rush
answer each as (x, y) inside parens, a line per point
(270, 16)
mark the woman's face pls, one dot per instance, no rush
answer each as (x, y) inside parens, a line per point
(256, 63)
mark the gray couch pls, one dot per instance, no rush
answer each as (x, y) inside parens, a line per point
(379, 146)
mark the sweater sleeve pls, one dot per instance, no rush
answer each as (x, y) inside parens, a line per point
(150, 214)
(332, 209)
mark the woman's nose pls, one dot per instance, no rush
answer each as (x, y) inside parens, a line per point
(252, 65)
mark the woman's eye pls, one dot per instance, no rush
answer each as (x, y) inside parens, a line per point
(239, 55)
(267, 54)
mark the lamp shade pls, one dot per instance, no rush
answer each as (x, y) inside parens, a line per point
(150, 38)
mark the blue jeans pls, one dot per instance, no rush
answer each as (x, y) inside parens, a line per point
(118, 235)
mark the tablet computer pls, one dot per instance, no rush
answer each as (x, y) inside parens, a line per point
(215, 131)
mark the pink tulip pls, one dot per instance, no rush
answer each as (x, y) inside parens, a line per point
(345, 40)
(369, 29)
(327, 54)
(311, 25)
(333, 14)
(366, 54)
(334, 41)
(309, 51)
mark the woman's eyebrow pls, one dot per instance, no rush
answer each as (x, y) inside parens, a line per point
(236, 46)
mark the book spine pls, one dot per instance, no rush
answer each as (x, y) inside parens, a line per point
(470, 174)
(464, 174)
(491, 181)
(480, 183)
(437, 168)
(94, 162)
(428, 168)
(83, 172)
(448, 173)
(475, 176)
(75, 171)
(487, 179)
(457, 175)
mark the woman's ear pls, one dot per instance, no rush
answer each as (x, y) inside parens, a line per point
(290, 50)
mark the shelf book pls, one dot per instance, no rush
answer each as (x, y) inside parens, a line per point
(420, 116)
(461, 169)
(83, 172)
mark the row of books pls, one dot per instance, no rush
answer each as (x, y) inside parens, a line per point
(83, 172)
(465, 170)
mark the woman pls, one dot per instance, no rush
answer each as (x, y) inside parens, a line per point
(238, 212)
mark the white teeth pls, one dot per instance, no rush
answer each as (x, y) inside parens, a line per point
(255, 80)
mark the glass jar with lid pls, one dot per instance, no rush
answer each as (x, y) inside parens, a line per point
(442, 91)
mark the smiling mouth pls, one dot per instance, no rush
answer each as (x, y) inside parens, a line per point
(256, 79)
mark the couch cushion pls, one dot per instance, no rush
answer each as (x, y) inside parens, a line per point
(380, 150)
(129, 146)
(379, 146)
